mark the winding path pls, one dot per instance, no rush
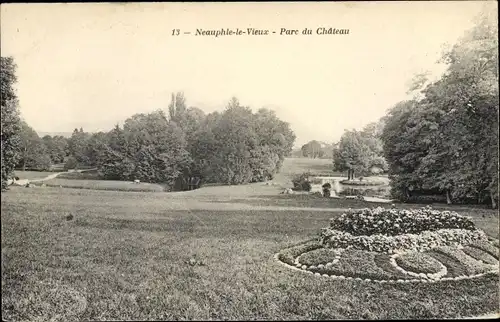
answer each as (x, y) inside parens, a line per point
(51, 176)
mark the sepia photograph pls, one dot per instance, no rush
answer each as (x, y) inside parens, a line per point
(218, 161)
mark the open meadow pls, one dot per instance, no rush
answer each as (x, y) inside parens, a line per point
(203, 254)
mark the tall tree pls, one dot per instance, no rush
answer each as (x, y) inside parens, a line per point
(57, 147)
(10, 119)
(77, 146)
(352, 154)
(33, 153)
(447, 139)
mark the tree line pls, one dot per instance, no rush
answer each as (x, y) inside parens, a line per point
(443, 141)
(234, 146)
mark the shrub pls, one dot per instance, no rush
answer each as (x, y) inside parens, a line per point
(407, 242)
(327, 186)
(426, 199)
(71, 163)
(399, 221)
(89, 175)
(301, 182)
(363, 182)
(418, 262)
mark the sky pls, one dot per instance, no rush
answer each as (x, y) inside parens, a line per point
(94, 65)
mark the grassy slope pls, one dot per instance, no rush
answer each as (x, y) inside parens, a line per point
(125, 253)
(32, 174)
(103, 185)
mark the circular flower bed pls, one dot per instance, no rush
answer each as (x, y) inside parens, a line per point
(320, 256)
(436, 246)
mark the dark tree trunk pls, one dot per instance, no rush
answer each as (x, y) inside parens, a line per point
(24, 157)
(493, 201)
(448, 199)
(407, 193)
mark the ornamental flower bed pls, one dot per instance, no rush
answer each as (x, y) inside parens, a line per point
(319, 256)
(401, 243)
(288, 256)
(471, 265)
(393, 222)
(481, 255)
(419, 263)
(436, 246)
(487, 247)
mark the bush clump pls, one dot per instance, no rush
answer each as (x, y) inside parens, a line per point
(363, 182)
(301, 182)
(399, 221)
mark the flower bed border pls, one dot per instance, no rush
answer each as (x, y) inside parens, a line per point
(433, 276)
(429, 278)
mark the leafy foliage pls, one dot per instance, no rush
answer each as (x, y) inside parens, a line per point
(360, 151)
(446, 141)
(57, 148)
(233, 147)
(10, 120)
(301, 182)
(238, 146)
(315, 149)
(33, 152)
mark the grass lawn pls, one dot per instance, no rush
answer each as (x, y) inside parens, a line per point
(103, 185)
(124, 255)
(32, 174)
(293, 166)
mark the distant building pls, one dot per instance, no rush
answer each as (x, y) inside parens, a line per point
(376, 170)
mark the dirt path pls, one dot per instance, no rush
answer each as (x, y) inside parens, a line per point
(487, 316)
(52, 176)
